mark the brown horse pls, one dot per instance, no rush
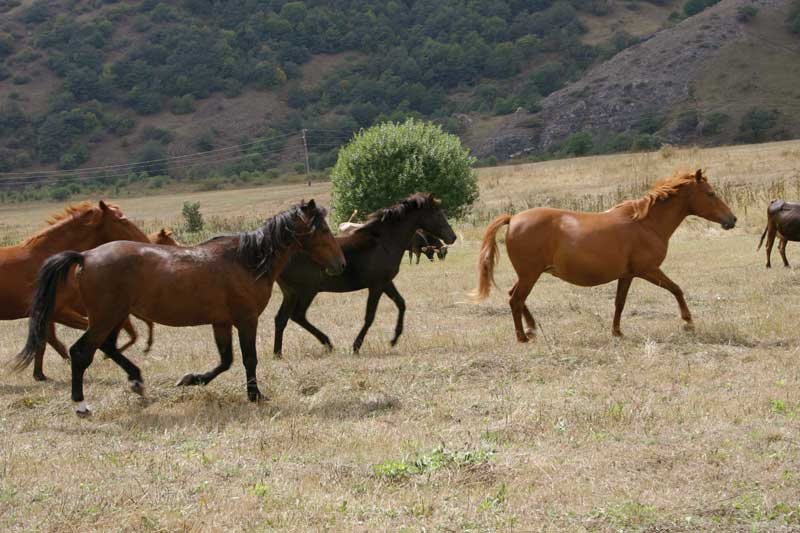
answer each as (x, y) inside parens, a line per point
(79, 227)
(627, 241)
(225, 282)
(783, 221)
(164, 236)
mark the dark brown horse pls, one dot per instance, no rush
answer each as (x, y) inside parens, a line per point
(226, 282)
(79, 227)
(374, 251)
(423, 243)
(627, 241)
(783, 220)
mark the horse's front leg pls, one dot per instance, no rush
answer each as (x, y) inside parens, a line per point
(247, 342)
(623, 284)
(392, 292)
(223, 337)
(372, 306)
(656, 277)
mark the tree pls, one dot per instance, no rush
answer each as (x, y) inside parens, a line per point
(579, 144)
(391, 161)
(193, 217)
(756, 123)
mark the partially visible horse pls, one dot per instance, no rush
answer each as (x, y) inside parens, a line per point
(783, 220)
(373, 251)
(225, 282)
(163, 236)
(427, 244)
(79, 227)
(628, 241)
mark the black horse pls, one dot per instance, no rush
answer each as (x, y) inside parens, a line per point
(373, 253)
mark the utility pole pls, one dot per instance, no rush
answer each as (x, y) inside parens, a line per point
(305, 151)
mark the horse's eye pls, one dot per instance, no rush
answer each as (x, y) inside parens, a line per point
(710, 193)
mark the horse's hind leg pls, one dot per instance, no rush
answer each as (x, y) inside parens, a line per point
(53, 341)
(519, 293)
(623, 284)
(657, 277)
(391, 291)
(132, 335)
(771, 231)
(222, 336)
(81, 356)
(782, 249)
(109, 347)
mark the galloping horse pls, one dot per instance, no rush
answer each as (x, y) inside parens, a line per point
(225, 281)
(80, 227)
(373, 251)
(627, 241)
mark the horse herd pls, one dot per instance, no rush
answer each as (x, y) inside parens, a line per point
(92, 268)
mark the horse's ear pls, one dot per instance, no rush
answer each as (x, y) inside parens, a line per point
(104, 206)
(311, 204)
(699, 175)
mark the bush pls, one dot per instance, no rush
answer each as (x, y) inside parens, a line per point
(579, 144)
(746, 13)
(755, 124)
(793, 19)
(713, 123)
(391, 161)
(193, 217)
(183, 105)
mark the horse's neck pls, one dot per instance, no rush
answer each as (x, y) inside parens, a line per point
(397, 234)
(71, 235)
(666, 215)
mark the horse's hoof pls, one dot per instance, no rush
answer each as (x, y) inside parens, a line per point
(328, 346)
(39, 377)
(277, 355)
(530, 333)
(393, 343)
(188, 380)
(83, 410)
(522, 339)
(618, 334)
(689, 327)
(255, 396)
(136, 386)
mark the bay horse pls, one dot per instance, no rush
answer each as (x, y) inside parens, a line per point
(80, 227)
(628, 241)
(783, 220)
(373, 251)
(225, 282)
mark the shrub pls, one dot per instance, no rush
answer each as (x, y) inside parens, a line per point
(6, 45)
(150, 159)
(746, 13)
(193, 217)
(793, 19)
(579, 144)
(713, 123)
(390, 161)
(183, 105)
(755, 124)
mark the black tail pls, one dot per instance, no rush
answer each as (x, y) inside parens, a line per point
(54, 270)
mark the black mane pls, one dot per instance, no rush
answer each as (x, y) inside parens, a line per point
(400, 210)
(259, 248)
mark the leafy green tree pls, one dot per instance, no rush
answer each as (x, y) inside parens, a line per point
(390, 161)
(756, 123)
(193, 217)
(579, 144)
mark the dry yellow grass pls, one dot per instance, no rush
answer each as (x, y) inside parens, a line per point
(458, 427)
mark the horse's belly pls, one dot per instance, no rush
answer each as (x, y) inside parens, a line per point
(582, 277)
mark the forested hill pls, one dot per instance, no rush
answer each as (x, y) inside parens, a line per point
(100, 82)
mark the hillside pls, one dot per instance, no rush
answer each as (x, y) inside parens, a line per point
(715, 78)
(86, 83)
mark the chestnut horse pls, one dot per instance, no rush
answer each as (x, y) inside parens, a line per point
(225, 282)
(627, 241)
(164, 236)
(80, 227)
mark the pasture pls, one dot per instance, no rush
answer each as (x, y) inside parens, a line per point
(458, 427)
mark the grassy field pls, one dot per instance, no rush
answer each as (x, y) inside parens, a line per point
(459, 427)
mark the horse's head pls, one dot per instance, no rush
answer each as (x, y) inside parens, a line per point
(113, 225)
(316, 238)
(705, 203)
(163, 237)
(441, 252)
(434, 222)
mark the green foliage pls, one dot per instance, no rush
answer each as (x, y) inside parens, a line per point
(439, 458)
(693, 7)
(183, 105)
(793, 18)
(746, 13)
(713, 123)
(6, 45)
(193, 217)
(579, 144)
(756, 123)
(150, 159)
(644, 142)
(390, 161)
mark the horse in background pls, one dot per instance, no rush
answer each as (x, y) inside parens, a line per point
(783, 220)
(80, 227)
(163, 236)
(373, 251)
(225, 282)
(427, 244)
(587, 249)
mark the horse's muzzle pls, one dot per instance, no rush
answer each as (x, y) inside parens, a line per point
(729, 223)
(336, 268)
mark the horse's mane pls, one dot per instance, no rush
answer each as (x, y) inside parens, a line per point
(661, 190)
(259, 248)
(365, 235)
(70, 212)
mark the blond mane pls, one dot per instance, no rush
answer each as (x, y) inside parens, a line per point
(70, 212)
(661, 190)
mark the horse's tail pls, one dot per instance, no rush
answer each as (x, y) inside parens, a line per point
(52, 272)
(488, 257)
(760, 242)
